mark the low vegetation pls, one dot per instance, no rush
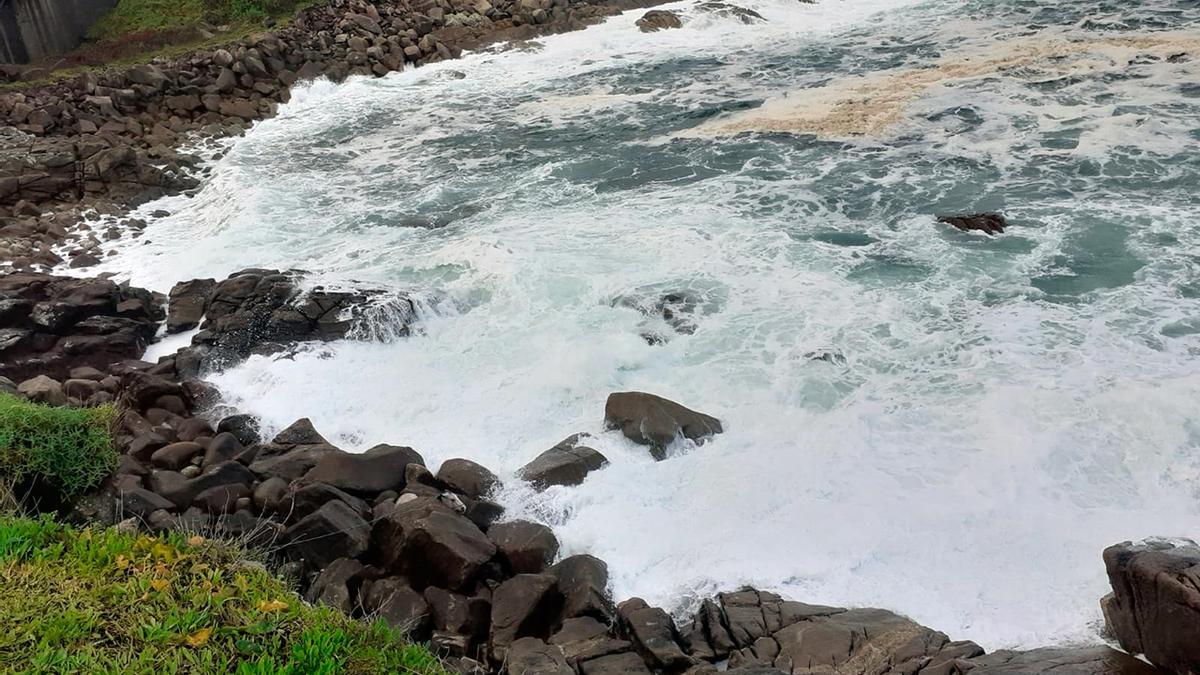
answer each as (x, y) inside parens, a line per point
(132, 17)
(66, 450)
(103, 601)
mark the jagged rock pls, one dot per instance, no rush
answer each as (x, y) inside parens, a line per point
(658, 19)
(1154, 608)
(567, 463)
(531, 656)
(655, 421)
(525, 547)
(292, 453)
(303, 498)
(987, 223)
(187, 303)
(53, 324)
(527, 605)
(433, 545)
(584, 638)
(458, 614)
(1051, 661)
(379, 469)
(467, 477)
(653, 633)
(583, 582)
(406, 609)
(243, 427)
(332, 532)
(332, 585)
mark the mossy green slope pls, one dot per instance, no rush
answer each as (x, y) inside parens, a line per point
(103, 601)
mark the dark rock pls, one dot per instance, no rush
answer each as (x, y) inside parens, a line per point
(654, 421)
(583, 582)
(988, 223)
(333, 531)
(406, 609)
(144, 446)
(467, 477)
(243, 427)
(332, 585)
(376, 470)
(221, 498)
(247, 529)
(181, 491)
(222, 448)
(525, 547)
(615, 664)
(531, 656)
(527, 605)
(269, 494)
(176, 455)
(658, 19)
(458, 614)
(292, 453)
(584, 638)
(1154, 608)
(141, 503)
(567, 463)
(1051, 661)
(724, 9)
(431, 544)
(42, 389)
(187, 303)
(653, 633)
(303, 498)
(192, 428)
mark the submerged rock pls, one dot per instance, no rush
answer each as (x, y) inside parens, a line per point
(724, 9)
(658, 19)
(567, 463)
(988, 223)
(655, 421)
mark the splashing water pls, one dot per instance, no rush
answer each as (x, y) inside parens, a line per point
(994, 411)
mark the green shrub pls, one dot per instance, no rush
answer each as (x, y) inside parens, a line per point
(83, 601)
(67, 449)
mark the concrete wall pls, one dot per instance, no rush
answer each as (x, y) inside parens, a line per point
(32, 30)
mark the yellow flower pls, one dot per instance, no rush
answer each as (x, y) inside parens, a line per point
(200, 637)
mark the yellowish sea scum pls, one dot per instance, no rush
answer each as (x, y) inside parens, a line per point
(874, 104)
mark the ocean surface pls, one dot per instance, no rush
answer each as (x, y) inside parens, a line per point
(945, 424)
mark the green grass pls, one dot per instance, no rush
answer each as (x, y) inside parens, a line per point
(84, 601)
(131, 17)
(67, 449)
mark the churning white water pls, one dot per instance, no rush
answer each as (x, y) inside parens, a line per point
(993, 411)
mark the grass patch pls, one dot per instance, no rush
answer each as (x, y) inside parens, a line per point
(83, 601)
(66, 449)
(133, 17)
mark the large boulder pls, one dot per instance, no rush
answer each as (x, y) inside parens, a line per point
(379, 469)
(187, 303)
(531, 656)
(583, 582)
(333, 531)
(332, 586)
(1055, 661)
(292, 453)
(655, 421)
(1154, 608)
(653, 633)
(527, 605)
(627, 663)
(584, 638)
(432, 544)
(987, 223)
(182, 491)
(50, 324)
(42, 389)
(567, 463)
(658, 19)
(523, 546)
(468, 478)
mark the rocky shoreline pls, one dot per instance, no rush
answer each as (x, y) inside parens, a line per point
(381, 534)
(109, 140)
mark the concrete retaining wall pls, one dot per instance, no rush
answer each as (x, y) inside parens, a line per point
(32, 30)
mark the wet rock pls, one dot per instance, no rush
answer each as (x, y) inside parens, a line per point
(658, 19)
(567, 463)
(1077, 661)
(243, 427)
(292, 453)
(222, 448)
(655, 421)
(333, 531)
(433, 545)
(187, 303)
(1154, 608)
(379, 469)
(726, 10)
(583, 582)
(988, 223)
(524, 547)
(467, 477)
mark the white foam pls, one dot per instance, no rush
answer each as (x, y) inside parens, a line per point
(966, 465)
